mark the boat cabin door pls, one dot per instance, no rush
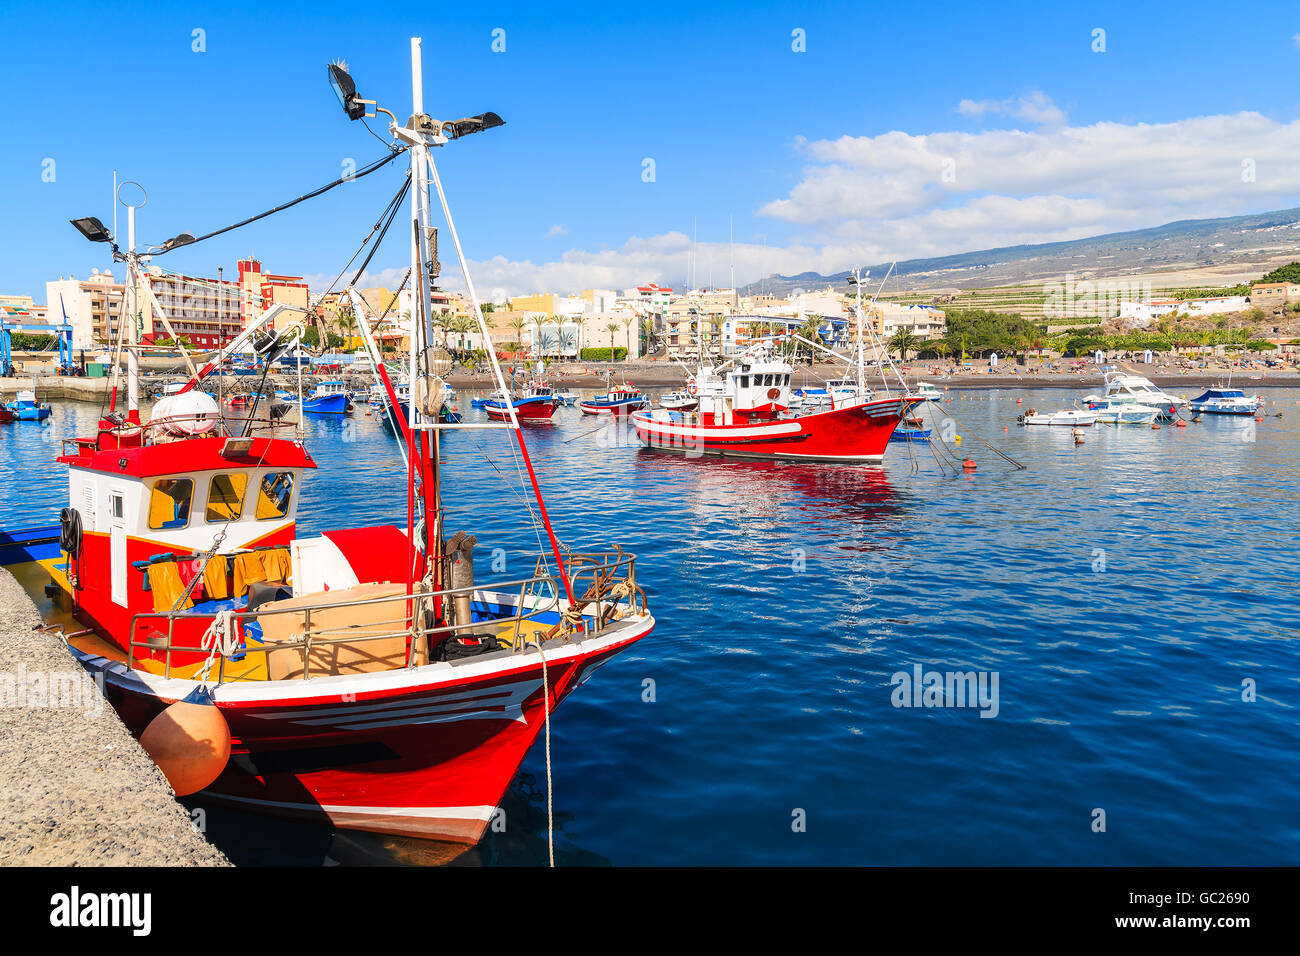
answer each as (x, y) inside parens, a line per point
(117, 544)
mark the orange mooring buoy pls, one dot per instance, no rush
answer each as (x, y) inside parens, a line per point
(968, 464)
(1180, 424)
(1155, 426)
(1019, 400)
(189, 741)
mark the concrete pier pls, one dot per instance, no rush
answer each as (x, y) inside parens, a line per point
(75, 787)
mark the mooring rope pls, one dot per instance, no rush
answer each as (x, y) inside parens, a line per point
(550, 806)
(972, 434)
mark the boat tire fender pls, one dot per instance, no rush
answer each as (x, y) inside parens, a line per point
(70, 531)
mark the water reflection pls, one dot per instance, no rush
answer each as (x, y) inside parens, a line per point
(253, 839)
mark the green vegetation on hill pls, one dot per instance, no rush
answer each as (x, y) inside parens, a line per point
(980, 331)
(1287, 273)
(974, 333)
(1221, 291)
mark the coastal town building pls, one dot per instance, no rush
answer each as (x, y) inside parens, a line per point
(260, 290)
(923, 321)
(93, 306)
(1270, 295)
(653, 297)
(1145, 312)
(205, 313)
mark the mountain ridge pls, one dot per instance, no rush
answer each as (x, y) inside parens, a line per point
(1186, 245)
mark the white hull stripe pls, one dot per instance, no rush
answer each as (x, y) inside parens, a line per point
(734, 431)
(503, 703)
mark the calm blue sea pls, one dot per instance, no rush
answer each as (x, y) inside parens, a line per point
(1126, 593)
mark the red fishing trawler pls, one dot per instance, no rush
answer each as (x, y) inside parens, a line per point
(365, 676)
(745, 411)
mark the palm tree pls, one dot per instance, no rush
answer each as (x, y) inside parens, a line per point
(902, 342)
(627, 330)
(518, 323)
(461, 325)
(347, 322)
(538, 321)
(612, 328)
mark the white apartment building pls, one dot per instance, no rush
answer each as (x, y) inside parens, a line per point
(1144, 313)
(924, 321)
(93, 306)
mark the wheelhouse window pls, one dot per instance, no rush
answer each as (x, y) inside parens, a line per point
(273, 495)
(226, 497)
(169, 503)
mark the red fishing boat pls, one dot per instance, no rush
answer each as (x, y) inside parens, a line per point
(363, 676)
(535, 402)
(745, 411)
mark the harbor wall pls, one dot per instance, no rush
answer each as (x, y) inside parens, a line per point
(75, 787)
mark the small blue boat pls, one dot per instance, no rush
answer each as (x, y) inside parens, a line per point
(328, 398)
(27, 409)
(910, 429)
(813, 396)
(617, 402)
(1221, 400)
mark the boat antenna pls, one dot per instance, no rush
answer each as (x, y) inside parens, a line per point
(420, 134)
(731, 231)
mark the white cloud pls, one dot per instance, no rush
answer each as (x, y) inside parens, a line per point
(1295, 38)
(865, 199)
(556, 230)
(1036, 108)
(1050, 183)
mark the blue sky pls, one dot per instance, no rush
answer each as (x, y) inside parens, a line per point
(824, 158)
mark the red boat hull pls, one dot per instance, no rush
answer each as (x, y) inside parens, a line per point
(858, 433)
(431, 759)
(534, 410)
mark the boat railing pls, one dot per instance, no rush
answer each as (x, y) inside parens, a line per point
(163, 429)
(603, 582)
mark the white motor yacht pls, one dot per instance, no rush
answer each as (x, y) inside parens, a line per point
(1072, 417)
(1134, 389)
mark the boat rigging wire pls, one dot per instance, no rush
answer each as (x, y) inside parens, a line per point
(986, 444)
(350, 177)
(391, 212)
(379, 223)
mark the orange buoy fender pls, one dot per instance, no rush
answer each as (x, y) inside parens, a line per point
(1155, 426)
(968, 464)
(1181, 424)
(189, 741)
